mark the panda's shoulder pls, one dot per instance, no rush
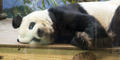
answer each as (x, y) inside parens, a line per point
(68, 8)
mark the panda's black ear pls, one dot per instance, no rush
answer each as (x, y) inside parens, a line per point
(17, 21)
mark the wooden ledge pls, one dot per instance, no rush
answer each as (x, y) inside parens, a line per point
(54, 46)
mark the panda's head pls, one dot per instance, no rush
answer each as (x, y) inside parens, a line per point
(36, 27)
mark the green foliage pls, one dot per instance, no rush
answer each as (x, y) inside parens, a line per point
(64, 1)
(54, 2)
(27, 1)
(43, 4)
(48, 2)
(22, 10)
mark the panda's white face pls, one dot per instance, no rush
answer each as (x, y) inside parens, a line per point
(36, 29)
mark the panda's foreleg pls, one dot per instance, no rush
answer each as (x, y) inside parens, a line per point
(82, 40)
(95, 35)
(100, 38)
(87, 39)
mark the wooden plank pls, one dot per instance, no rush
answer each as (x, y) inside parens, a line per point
(55, 46)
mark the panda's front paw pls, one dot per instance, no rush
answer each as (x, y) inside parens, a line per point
(80, 43)
(83, 41)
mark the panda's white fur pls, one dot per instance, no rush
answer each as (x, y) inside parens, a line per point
(42, 21)
(103, 11)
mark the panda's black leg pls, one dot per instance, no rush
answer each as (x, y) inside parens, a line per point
(93, 34)
(82, 41)
(114, 28)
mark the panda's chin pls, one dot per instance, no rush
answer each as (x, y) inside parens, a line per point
(39, 43)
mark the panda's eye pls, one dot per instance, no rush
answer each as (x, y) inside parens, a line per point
(32, 24)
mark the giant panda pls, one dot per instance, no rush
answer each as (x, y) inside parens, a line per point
(83, 25)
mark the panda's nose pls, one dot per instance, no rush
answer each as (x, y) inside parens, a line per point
(18, 40)
(40, 32)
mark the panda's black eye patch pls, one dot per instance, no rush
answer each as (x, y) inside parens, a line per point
(32, 24)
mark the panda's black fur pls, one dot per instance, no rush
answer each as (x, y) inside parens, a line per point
(71, 19)
(62, 16)
(114, 28)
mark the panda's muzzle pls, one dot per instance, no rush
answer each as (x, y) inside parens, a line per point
(40, 33)
(22, 42)
(36, 40)
(33, 39)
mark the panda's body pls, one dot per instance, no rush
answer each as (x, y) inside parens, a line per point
(62, 24)
(114, 27)
(105, 11)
